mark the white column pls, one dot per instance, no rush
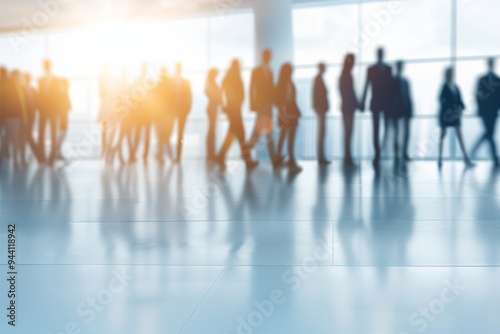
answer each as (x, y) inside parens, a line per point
(273, 30)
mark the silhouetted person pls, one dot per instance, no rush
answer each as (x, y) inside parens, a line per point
(233, 96)
(488, 103)
(107, 95)
(30, 94)
(182, 105)
(62, 110)
(123, 117)
(403, 107)
(379, 77)
(289, 113)
(4, 105)
(48, 93)
(450, 114)
(142, 114)
(213, 94)
(321, 106)
(349, 105)
(262, 95)
(16, 119)
(164, 114)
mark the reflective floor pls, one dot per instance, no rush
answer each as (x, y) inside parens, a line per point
(191, 249)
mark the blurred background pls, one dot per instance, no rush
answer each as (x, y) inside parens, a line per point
(81, 36)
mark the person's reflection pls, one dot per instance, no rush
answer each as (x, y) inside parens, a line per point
(59, 205)
(117, 213)
(350, 221)
(392, 218)
(491, 205)
(320, 212)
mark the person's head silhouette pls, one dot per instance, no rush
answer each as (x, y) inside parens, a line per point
(266, 56)
(178, 69)
(212, 74)
(321, 68)
(348, 63)
(47, 66)
(27, 78)
(380, 55)
(449, 75)
(235, 65)
(400, 67)
(491, 64)
(286, 73)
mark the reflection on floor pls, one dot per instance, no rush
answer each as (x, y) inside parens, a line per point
(190, 249)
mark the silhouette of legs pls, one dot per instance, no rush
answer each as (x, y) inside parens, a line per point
(347, 117)
(406, 137)
(458, 131)
(442, 135)
(376, 136)
(236, 130)
(53, 139)
(212, 118)
(321, 138)
(263, 125)
(489, 136)
(281, 139)
(181, 124)
(292, 130)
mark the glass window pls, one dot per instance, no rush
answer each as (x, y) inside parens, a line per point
(477, 27)
(23, 54)
(407, 29)
(231, 36)
(325, 33)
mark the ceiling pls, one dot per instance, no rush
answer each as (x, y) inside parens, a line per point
(28, 15)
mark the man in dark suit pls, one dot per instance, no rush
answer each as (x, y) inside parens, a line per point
(403, 106)
(183, 101)
(379, 77)
(321, 107)
(48, 94)
(488, 102)
(262, 98)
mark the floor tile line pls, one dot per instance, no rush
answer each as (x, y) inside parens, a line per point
(435, 294)
(201, 301)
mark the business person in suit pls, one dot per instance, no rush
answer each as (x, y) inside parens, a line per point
(403, 107)
(288, 113)
(4, 106)
(62, 111)
(488, 103)
(48, 94)
(349, 105)
(182, 106)
(262, 98)
(30, 94)
(213, 94)
(163, 95)
(16, 120)
(233, 94)
(379, 78)
(321, 106)
(450, 114)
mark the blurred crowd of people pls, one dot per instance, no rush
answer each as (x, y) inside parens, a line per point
(131, 112)
(24, 107)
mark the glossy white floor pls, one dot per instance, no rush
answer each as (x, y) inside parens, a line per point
(189, 250)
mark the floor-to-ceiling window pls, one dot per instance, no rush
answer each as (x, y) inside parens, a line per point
(428, 34)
